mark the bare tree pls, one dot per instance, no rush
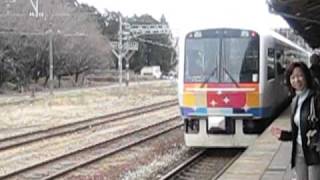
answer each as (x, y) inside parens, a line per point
(79, 45)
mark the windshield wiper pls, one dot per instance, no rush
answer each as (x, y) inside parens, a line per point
(208, 77)
(230, 76)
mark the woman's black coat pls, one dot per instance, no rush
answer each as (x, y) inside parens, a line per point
(311, 156)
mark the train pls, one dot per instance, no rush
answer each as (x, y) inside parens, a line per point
(231, 83)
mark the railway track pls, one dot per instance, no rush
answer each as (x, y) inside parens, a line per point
(34, 136)
(62, 164)
(205, 165)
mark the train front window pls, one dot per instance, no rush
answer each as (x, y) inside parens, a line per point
(240, 60)
(222, 55)
(201, 60)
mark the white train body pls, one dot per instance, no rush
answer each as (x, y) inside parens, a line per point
(231, 84)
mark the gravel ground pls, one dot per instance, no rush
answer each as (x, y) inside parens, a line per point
(42, 150)
(65, 107)
(75, 105)
(139, 162)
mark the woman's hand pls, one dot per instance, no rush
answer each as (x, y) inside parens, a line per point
(276, 132)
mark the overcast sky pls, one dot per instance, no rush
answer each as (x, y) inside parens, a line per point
(184, 15)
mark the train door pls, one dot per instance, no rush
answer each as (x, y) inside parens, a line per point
(280, 74)
(269, 98)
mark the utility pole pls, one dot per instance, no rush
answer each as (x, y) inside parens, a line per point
(120, 51)
(123, 49)
(127, 58)
(51, 61)
(128, 42)
(35, 6)
(127, 72)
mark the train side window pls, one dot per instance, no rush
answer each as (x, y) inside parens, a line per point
(271, 63)
(270, 52)
(279, 62)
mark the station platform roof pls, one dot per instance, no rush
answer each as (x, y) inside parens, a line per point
(302, 15)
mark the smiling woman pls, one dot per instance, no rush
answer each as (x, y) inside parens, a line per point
(305, 157)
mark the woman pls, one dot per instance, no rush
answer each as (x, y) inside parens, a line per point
(304, 159)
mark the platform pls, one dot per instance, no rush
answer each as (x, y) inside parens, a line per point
(267, 159)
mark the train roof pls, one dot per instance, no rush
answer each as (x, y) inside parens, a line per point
(259, 30)
(287, 41)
